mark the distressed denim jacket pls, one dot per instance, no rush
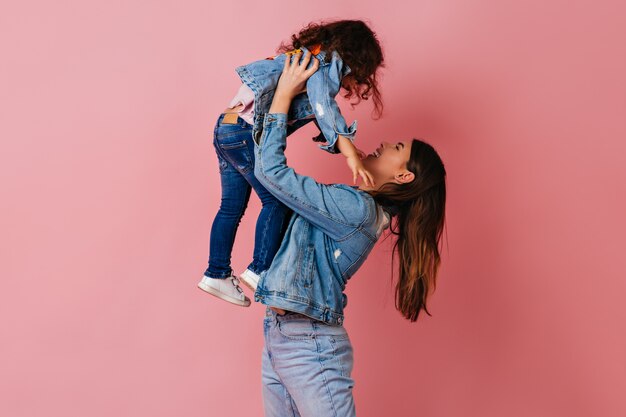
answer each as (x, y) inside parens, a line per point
(317, 104)
(331, 232)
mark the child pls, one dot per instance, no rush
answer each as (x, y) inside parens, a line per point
(348, 56)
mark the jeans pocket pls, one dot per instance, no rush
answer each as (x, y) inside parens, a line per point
(238, 154)
(334, 333)
(296, 330)
(343, 357)
(233, 145)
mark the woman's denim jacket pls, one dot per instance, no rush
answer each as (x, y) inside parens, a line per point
(318, 104)
(331, 232)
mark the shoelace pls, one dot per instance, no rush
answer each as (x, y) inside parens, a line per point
(235, 282)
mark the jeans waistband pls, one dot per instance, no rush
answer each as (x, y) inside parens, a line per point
(289, 315)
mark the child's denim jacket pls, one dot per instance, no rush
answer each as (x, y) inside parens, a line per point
(318, 104)
(331, 232)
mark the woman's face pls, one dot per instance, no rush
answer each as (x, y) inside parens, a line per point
(388, 163)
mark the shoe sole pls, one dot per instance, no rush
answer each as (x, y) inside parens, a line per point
(222, 296)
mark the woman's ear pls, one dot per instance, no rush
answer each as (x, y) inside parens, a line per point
(404, 177)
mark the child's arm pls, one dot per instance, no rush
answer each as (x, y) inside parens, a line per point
(353, 158)
(322, 88)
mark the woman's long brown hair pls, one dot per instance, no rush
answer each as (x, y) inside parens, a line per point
(418, 209)
(358, 47)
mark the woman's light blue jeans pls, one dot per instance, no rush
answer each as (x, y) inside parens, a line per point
(306, 368)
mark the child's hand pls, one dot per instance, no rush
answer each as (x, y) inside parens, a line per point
(293, 78)
(357, 168)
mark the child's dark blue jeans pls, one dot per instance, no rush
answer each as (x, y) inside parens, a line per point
(235, 152)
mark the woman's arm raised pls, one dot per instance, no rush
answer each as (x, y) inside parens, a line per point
(335, 209)
(292, 82)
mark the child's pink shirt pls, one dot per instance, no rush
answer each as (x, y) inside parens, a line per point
(244, 96)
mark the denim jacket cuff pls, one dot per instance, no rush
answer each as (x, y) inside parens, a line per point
(349, 134)
(275, 120)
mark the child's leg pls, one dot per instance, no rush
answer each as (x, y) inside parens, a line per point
(236, 147)
(270, 224)
(235, 197)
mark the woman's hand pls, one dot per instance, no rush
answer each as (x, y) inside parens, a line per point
(292, 80)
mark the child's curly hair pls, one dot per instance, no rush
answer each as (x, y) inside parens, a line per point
(358, 47)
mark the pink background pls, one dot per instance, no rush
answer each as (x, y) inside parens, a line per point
(110, 184)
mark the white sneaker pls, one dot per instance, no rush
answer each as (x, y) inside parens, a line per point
(227, 289)
(250, 279)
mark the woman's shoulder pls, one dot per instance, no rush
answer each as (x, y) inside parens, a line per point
(354, 189)
(353, 196)
(364, 210)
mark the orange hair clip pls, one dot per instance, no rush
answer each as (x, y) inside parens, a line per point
(316, 49)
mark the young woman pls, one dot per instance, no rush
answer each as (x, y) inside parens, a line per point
(307, 357)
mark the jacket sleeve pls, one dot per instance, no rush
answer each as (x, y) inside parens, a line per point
(335, 210)
(322, 88)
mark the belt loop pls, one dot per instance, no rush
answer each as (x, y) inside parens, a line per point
(273, 315)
